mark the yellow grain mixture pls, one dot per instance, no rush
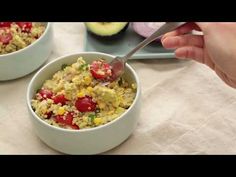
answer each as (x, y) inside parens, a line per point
(18, 35)
(77, 98)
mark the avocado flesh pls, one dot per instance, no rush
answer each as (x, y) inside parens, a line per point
(106, 28)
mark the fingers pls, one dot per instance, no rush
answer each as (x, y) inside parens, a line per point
(204, 26)
(225, 78)
(182, 30)
(172, 42)
(195, 53)
(189, 47)
(190, 52)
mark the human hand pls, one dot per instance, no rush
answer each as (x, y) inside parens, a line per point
(216, 47)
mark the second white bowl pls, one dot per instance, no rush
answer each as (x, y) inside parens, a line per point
(24, 61)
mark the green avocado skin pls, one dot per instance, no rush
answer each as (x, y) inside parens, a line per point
(112, 37)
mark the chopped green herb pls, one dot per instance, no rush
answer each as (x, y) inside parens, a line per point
(83, 67)
(97, 110)
(120, 81)
(33, 108)
(37, 91)
(91, 117)
(63, 66)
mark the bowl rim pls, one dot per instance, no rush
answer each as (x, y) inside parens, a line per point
(48, 26)
(35, 116)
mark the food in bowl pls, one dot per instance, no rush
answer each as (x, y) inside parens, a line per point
(91, 140)
(18, 35)
(81, 96)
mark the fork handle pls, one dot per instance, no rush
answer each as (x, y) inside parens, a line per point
(167, 27)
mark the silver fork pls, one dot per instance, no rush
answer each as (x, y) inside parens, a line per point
(118, 63)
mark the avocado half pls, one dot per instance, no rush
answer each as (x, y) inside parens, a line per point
(106, 29)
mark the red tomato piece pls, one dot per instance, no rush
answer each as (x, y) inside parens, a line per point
(5, 24)
(100, 70)
(67, 120)
(49, 114)
(60, 99)
(85, 104)
(45, 93)
(6, 38)
(25, 26)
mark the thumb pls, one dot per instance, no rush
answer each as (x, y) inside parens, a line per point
(195, 53)
(204, 26)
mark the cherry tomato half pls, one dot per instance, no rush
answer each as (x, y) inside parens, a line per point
(25, 26)
(66, 120)
(60, 99)
(5, 38)
(49, 114)
(100, 70)
(85, 104)
(5, 24)
(45, 93)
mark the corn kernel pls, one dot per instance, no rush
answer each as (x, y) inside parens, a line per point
(82, 125)
(76, 79)
(80, 94)
(97, 121)
(89, 89)
(44, 110)
(61, 111)
(110, 112)
(134, 86)
(102, 105)
(85, 119)
(87, 80)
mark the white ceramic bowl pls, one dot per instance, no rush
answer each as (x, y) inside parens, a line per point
(85, 141)
(24, 61)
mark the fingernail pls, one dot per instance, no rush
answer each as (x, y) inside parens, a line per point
(163, 37)
(181, 58)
